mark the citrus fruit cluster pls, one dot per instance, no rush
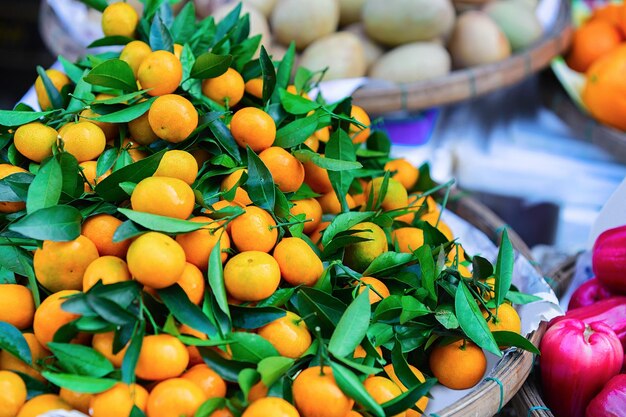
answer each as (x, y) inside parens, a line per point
(188, 233)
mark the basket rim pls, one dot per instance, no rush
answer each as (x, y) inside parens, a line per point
(464, 84)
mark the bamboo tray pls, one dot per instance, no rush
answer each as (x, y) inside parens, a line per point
(515, 367)
(528, 401)
(472, 82)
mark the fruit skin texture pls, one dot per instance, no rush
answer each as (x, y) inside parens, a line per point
(611, 401)
(211, 384)
(89, 169)
(16, 305)
(580, 359)
(382, 390)
(100, 230)
(12, 393)
(358, 133)
(313, 211)
(119, 400)
(156, 260)
(134, 53)
(270, 406)
(77, 400)
(254, 128)
(226, 87)
(507, 320)
(49, 317)
(304, 22)
(172, 118)
(178, 164)
(84, 140)
(396, 196)
(103, 343)
(108, 269)
(405, 172)
(299, 264)
(39, 405)
(375, 284)
(161, 72)
(59, 80)
(241, 195)
(119, 19)
(445, 359)
(251, 276)
(589, 293)
(286, 170)
(35, 141)
(170, 197)
(8, 362)
(161, 357)
(61, 265)
(408, 239)
(174, 397)
(254, 230)
(609, 259)
(288, 334)
(318, 395)
(359, 256)
(199, 243)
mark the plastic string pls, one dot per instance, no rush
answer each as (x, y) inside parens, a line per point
(537, 408)
(497, 381)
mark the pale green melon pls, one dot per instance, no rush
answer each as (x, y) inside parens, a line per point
(518, 22)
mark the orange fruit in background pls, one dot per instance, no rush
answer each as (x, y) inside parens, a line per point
(161, 357)
(317, 178)
(174, 397)
(591, 41)
(141, 131)
(110, 130)
(58, 79)
(396, 196)
(312, 142)
(49, 317)
(254, 230)
(84, 140)
(222, 412)
(10, 206)
(199, 244)
(209, 381)
(100, 230)
(61, 265)
(251, 276)
(288, 334)
(156, 260)
(119, 400)
(254, 87)
(170, 197)
(286, 170)
(119, 19)
(35, 141)
(299, 264)
(134, 53)
(9, 362)
(226, 88)
(403, 171)
(90, 170)
(316, 393)
(360, 255)
(357, 133)
(407, 239)
(382, 390)
(270, 406)
(103, 343)
(108, 269)
(377, 289)
(258, 391)
(457, 253)
(330, 203)
(172, 117)
(316, 235)
(134, 150)
(41, 404)
(178, 164)
(458, 365)
(254, 128)
(312, 210)
(160, 73)
(12, 393)
(17, 306)
(422, 402)
(192, 282)
(507, 319)
(77, 400)
(423, 205)
(194, 354)
(359, 352)
(353, 413)
(241, 195)
(611, 13)
(604, 93)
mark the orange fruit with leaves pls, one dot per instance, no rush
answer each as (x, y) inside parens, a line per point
(382, 390)
(16, 305)
(164, 196)
(11, 206)
(134, 53)
(422, 402)
(286, 170)
(403, 171)
(119, 400)
(174, 397)
(41, 404)
(156, 260)
(90, 171)
(119, 19)
(316, 393)
(84, 140)
(254, 128)
(289, 335)
(226, 89)
(591, 41)
(299, 264)
(458, 365)
(192, 282)
(270, 406)
(12, 393)
(360, 255)
(103, 343)
(108, 269)
(35, 141)
(77, 400)
(241, 196)
(377, 289)
(161, 357)
(172, 117)
(58, 79)
(251, 276)
(254, 230)
(160, 73)
(100, 230)
(199, 243)
(178, 164)
(209, 381)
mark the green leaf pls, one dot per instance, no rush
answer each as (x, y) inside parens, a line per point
(53, 93)
(444, 314)
(279, 298)
(325, 310)
(11, 118)
(504, 268)
(517, 297)
(269, 74)
(343, 222)
(246, 379)
(79, 383)
(72, 181)
(508, 339)
(127, 230)
(472, 321)
(210, 65)
(162, 223)
(304, 155)
(57, 223)
(212, 404)
(109, 188)
(216, 279)
(99, 5)
(412, 308)
(296, 104)
(350, 384)
(222, 134)
(227, 368)
(81, 360)
(387, 262)
(45, 190)
(296, 132)
(340, 147)
(127, 114)
(110, 41)
(73, 71)
(132, 353)
(254, 317)
(285, 68)
(260, 185)
(272, 368)
(185, 311)
(160, 36)
(14, 187)
(110, 311)
(250, 347)
(427, 264)
(12, 341)
(408, 398)
(352, 327)
(184, 24)
(113, 73)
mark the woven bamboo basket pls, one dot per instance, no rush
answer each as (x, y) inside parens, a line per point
(472, 82)
(528, 401)
(515, 367)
